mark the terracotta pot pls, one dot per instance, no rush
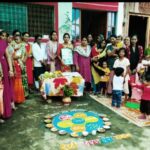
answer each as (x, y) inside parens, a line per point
(66, 100)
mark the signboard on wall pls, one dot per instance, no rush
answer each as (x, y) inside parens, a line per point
(64, 19)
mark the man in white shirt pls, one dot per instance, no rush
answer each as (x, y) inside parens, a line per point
(40, 57)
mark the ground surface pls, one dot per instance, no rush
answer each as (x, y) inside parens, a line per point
(26, 130)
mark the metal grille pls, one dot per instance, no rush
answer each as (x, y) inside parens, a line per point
(40, 19)
(13, 16)
(26, 17)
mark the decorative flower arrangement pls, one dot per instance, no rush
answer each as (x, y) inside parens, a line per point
(68, 91)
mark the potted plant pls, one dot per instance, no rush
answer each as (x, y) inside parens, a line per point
(68, 92)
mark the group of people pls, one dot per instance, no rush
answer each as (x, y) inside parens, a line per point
(108, 66)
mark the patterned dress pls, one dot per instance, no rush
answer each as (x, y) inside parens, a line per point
(20, 80)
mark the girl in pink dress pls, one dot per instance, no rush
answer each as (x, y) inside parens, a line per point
(145, 98)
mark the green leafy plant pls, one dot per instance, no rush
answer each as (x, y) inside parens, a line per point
(68, 91)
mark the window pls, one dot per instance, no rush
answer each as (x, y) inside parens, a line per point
(13, 16)
(26, 17)
(40, 19)
(111, 23)
(75, 23)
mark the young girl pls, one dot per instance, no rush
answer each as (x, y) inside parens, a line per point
(145, 99)
(123, 62)
(104, 79)
(142, 68)
(118, 81)
(119, 41)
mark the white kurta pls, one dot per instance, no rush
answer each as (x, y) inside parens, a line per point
(39, 54)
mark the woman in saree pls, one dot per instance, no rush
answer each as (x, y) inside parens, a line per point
(82, 61)
(5, 36)
(66, 44)
(7, 71)
(20, 80)
(28, 60)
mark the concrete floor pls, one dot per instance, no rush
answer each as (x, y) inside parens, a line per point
(26, 130)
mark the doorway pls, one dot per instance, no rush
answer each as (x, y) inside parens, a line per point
(93, 22)
(138, 26)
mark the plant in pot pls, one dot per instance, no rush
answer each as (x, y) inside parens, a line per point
(68, 92)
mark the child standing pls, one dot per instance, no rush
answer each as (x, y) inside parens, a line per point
(104, 79)
(119, 41)
(145, 99)
(118, 81)
(141, 70)
(123, 62)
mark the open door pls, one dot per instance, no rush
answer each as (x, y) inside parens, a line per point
(93, 22)
(138, 26)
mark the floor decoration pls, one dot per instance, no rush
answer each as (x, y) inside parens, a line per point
(101, 140)
(78, 123)
(131, 114)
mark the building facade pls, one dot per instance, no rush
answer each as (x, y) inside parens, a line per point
(76, 18)
(137, 21)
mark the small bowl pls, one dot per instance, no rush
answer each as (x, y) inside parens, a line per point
(47, 117)
(49, 125)
(85, 133)
(47, 121)
(102, 115)
(105, 119)
(93, 132)
(101, 130)
(107, 123)
(54, 129)
(106, 127)
(62, 132)
(74, 134)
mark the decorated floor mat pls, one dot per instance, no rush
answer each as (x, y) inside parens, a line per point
(131, 114)
(133, 105)
(77, 123)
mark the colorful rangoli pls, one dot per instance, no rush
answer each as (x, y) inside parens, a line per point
(78, 123)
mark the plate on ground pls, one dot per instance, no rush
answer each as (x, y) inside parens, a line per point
(101, 130)
(106, 127)
(49, 125)
(47, 121)
(105, 119)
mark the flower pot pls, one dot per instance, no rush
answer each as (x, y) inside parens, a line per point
(66, 100)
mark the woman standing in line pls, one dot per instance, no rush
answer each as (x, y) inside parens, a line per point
(28, 60)
(66, 44)
(20, 78)
(51, 49)
(7, 70)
